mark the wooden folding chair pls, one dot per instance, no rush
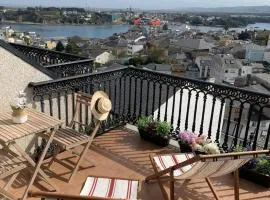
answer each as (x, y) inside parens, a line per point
(98, 188)
(189, 167)
(70, 138)
(10, 167)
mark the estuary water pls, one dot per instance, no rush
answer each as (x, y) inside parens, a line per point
(103, 31)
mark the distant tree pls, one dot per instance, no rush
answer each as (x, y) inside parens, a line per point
(59, 46)
(196, 21)
(165, 27)
(72, 47)
(244, 35)
(156, 54)
(226, 27)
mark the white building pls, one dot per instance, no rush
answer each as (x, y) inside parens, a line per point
(135, 46)
(228, 68)
(206, 66)
(104, 58)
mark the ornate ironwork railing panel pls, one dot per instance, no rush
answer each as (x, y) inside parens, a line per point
(45, 56)
(57, 97)
(200, 107)
(228, 115)
(71, 68)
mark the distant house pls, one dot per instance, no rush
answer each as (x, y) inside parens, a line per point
(165, 68)
(195, 46)
(252, 68)
(254, 53)
(137, 45)
(206, 66)
(104, 58)
(227, 69)
(51, 44)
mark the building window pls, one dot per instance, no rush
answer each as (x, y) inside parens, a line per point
(263, 124)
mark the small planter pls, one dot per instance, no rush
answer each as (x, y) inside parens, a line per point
(255, 177)
(184, 148)
(145, 135)
(161, 141)
(19, 116)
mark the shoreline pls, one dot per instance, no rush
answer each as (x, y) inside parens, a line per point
(56, 24)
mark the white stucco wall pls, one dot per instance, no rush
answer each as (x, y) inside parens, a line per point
(207, 114)
(15, 75)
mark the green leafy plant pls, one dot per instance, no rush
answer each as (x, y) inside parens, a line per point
(163, 128)
(263, 166)
(143, 122)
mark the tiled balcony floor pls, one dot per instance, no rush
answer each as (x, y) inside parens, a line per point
(121, 153)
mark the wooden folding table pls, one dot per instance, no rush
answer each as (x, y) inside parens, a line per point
(37, 123)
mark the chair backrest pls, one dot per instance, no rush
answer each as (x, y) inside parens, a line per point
(82, 102)
(221, 164)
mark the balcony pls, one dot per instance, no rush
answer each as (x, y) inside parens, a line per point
(228, 115)
(127, 156)
(224, 114)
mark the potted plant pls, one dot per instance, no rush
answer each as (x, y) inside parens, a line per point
(201, 145)
(142, 124)
(185, 140)
(257, 171)
(19, 114)
(162, 135)
(155, 131)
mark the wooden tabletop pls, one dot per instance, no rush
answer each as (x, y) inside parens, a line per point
(37, 122)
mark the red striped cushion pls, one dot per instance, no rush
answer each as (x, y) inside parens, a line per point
(166, 161)
(110, 188)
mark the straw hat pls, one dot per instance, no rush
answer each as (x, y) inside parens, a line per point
(100, 105)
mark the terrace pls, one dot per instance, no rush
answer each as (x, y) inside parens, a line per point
(127, 155)
(227, 115)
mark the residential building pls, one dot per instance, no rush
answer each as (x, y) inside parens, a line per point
(227, 69)
(104, 58)
(137, 45)
(51, 44)
(206, 67)
(196, 46)
(164, 68)
(252, 68)
(254, 53)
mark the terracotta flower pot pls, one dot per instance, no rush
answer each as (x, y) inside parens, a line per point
(19, 116)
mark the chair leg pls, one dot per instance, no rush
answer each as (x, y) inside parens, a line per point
(171, 185)
(54, 157)
(236, 184)
(11, 180)
(164, 193)
(81, 157)
(212, 188)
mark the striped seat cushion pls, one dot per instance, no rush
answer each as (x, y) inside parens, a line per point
(166, 161)
(110, 188)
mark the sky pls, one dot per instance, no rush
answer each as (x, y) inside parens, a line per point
(143, 4)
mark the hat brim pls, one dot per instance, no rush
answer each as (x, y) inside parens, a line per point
(97, 95)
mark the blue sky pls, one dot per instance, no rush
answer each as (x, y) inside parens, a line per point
(146, 4)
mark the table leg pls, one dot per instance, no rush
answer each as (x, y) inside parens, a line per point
(38, 165)
(29, 159)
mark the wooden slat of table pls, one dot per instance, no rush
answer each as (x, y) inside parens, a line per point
(37, 123)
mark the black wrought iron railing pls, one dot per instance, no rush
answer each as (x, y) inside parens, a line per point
(72, 68)
(45, 56)
(225, 114)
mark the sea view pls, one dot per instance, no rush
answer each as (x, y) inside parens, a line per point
(103, 31)
(90, 31)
